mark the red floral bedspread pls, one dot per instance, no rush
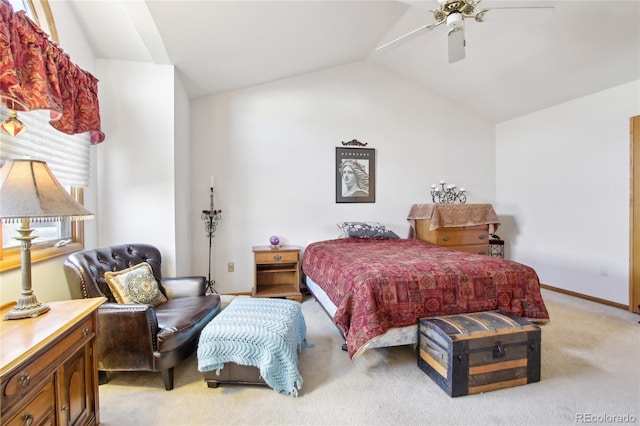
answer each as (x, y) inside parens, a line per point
(380, 284)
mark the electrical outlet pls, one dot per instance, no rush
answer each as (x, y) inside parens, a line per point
(230, 267)
(604, 271)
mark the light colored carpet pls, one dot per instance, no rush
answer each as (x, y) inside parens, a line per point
(590, 374)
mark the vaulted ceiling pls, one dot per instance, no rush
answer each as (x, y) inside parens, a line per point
(512, 67)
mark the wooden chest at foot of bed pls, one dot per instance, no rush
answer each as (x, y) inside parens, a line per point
(479, 352)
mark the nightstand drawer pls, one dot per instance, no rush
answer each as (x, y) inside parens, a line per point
(276, 256)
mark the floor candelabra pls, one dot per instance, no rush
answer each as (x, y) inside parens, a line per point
(211, 218)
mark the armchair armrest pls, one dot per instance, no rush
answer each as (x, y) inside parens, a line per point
(175, 288)
(127, 335)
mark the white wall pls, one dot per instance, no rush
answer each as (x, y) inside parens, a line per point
(562, 186)
(136, 163)
(272, 147)
(182, 167)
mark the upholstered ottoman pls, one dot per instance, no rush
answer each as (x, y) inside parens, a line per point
(256, 340)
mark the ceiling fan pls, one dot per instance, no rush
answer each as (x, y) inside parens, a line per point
(453, 13)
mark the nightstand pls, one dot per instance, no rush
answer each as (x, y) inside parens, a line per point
(277, 272)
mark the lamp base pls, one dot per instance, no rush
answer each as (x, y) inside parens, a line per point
(21, 312)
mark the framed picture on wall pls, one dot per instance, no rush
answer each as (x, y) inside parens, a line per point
(355, 175)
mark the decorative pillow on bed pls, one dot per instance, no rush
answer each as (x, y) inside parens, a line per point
(135, 285)
(366, 230)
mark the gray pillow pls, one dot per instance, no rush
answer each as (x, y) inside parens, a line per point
(367, 230)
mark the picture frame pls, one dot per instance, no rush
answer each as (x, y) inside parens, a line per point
(355, 175)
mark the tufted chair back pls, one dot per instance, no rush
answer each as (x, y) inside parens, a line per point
(85, 269)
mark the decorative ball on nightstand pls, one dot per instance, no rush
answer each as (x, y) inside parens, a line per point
(274, 240)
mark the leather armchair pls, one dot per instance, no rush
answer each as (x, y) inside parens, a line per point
(141, 337)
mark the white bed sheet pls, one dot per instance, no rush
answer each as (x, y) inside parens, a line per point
(393, 337)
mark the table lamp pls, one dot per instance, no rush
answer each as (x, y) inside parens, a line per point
(29, 192)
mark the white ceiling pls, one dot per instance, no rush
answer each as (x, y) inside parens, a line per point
(511, 68)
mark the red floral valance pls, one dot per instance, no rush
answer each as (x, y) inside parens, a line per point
(35, 73)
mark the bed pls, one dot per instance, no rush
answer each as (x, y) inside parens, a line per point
(375, 290)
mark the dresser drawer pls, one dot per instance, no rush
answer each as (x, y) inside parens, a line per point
(276, 256)
(26, 377)
(462, 235)
(472, 248)
(452, 236)
(39, 410)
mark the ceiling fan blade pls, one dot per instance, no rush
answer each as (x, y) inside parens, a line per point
(408, 36)
(456, 44)
(455, 37)
(512, 14)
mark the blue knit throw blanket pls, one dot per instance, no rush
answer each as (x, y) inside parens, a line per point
(265, 333)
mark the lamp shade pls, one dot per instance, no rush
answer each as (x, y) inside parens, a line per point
(28, 189)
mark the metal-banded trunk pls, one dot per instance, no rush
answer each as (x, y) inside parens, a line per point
(479, 352)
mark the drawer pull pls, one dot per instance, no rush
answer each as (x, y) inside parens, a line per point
(482, 237)
(85, 331)
(445, 238)
(25, 379)
(481, 252)
(277, 257)
(28, 419)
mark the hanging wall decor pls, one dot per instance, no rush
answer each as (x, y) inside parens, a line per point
(355, 175)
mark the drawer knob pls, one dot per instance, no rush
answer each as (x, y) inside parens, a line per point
(445, 238)
(482, 237)
(277, 257)
(25, 379)
(85, 331)
(481, 252)
(27, 419)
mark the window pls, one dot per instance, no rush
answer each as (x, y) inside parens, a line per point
(40, 12)
(45, 232)
(53, 239)
(67, 156)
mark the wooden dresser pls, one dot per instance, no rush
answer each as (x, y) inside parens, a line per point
(463, 227)
(48, 369)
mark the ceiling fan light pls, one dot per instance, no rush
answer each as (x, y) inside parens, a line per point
(12, 125)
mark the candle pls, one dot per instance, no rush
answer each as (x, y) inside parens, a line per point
(212, 181)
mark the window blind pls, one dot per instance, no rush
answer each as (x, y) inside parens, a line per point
(67, 156)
